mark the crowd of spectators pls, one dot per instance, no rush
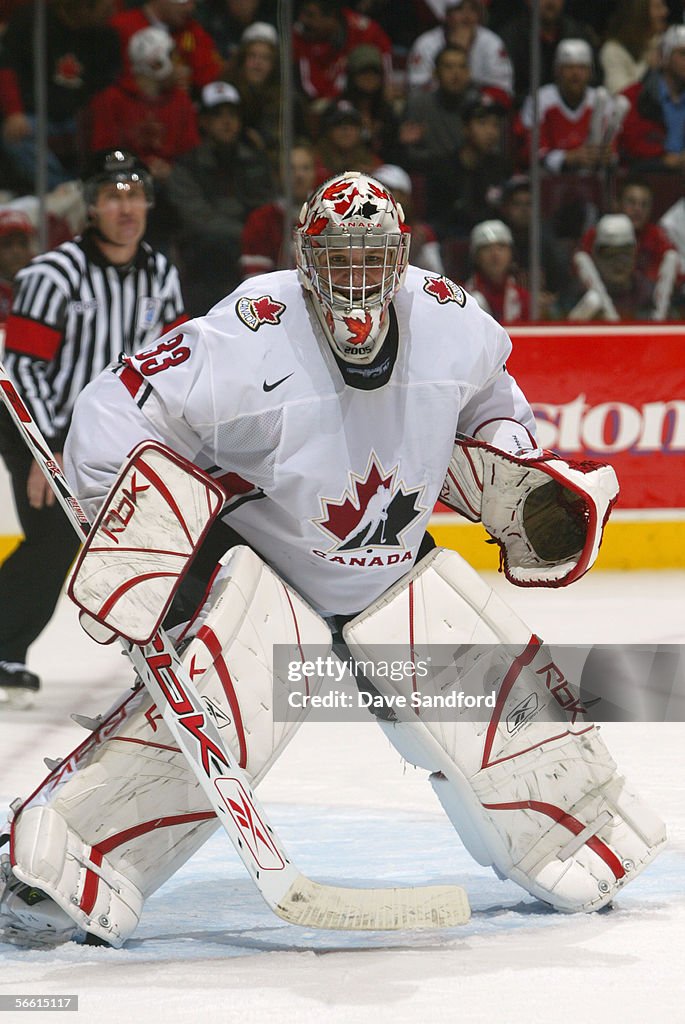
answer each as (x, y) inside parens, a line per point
(432, 96)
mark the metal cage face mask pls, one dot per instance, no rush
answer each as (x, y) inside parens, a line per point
(352, 252)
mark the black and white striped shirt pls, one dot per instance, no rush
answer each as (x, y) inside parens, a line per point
(74, 313)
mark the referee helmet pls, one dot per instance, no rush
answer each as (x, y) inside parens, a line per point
(118, 166)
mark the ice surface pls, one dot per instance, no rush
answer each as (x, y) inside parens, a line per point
(350, 812)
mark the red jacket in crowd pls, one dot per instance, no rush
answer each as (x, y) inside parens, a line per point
(164, 127)
(323, 65)
(194, 46)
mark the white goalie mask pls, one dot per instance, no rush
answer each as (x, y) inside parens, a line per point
(352, 249)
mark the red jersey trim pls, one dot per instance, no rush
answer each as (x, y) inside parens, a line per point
(182, 319)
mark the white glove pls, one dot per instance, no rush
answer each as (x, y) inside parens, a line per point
(547, 515)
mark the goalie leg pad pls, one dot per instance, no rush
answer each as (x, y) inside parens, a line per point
(537, 796)
(123, 812)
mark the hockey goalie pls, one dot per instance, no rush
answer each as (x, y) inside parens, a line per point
(333, 405)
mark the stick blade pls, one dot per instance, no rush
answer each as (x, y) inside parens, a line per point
(312, 905)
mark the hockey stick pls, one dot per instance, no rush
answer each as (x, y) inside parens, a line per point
(290, 894)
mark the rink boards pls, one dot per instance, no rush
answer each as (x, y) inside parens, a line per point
(612, 393)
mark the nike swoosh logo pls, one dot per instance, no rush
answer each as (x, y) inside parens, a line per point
(270, 387)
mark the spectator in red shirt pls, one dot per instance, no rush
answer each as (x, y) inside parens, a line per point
(323, 36)
(197, 59)
(150, 116)
(610, 286)
(265, 244)
(635, 200)
(493, 284)
(653, 135)
(576, 120)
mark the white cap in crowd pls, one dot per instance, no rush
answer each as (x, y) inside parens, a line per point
(261, 31)
(216, 93)
(393, 177)
(490, 232)
(573, 51)
(614, 229)
(672, 39)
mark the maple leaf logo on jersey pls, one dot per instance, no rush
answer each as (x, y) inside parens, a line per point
(69, 72)
(444, 290)
(374, 511)
(255, 312)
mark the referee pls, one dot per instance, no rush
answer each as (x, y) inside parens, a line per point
(76, 308)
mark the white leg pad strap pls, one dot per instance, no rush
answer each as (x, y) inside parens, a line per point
(537, 796)
(124, 811)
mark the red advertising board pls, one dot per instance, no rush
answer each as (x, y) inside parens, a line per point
(614, 393)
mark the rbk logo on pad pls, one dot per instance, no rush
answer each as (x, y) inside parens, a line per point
(255, 312)
(373, 512)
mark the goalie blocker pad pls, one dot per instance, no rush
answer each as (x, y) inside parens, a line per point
(546, 514)
(530, 787)
(155, 517)
(124, 811)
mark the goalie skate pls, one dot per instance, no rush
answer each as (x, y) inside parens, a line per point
(27, 916)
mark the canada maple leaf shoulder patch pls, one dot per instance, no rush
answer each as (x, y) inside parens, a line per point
(444, 290)
(255, 312)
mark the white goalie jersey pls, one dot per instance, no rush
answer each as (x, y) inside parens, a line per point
(332, 484)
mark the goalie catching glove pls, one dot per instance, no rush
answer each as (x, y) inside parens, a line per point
(547, 515)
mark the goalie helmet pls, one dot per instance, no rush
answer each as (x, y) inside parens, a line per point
(352, 251)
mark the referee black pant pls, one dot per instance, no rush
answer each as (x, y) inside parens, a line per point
(31, 577)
